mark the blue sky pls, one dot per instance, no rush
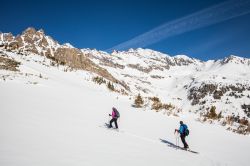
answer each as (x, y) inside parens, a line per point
(104, 24)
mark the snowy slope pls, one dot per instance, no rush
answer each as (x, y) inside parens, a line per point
(58, 120)
(152, 73)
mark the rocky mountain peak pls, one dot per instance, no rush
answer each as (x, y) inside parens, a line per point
(68, 45)
(41, 31)
(29, 31)
(6, 37)
(31, 34)
(33, 31)
(235, 60)
(185, 60)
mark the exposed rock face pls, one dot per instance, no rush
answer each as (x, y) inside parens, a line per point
(246, 109)
(104, 59)
(196, 94)
(37, 42)
(182, 61)
(236, 60)
(107, 62)
(20, 41)
(71, 57)
(8, 64)
(8, 37)
(13, 45)
(156, 77)
(76, 59)
(29, 41)
(140, 68)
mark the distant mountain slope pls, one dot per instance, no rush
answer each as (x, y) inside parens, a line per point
(36, 42)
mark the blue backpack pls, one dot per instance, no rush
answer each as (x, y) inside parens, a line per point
(186, 131)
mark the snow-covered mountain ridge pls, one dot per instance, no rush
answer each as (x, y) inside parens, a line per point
(188, 84)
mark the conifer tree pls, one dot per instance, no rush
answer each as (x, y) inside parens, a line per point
(138, 101)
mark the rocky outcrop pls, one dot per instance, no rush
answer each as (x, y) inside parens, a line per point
(246, 109)
(235, 59)
(140, 68)
(76, 59)
(107, 62)
(182, 62)
(36, 42)
(7, 63)
(7, 37)
(157, 77)
(195, 94)
(29, 41)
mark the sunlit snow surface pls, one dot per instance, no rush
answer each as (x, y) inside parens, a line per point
(58, 120)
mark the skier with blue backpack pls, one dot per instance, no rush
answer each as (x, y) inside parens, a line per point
(183, 131)
(115, 115)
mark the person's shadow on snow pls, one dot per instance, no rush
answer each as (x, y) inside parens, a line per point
(170, 144)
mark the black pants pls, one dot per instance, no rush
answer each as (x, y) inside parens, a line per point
(184, 141)
(113, 120)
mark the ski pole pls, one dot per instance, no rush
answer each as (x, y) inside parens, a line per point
(176, 142)
(176, 139)
(109, 119)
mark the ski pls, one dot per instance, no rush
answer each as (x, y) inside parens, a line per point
(106, 126)
(188, 150)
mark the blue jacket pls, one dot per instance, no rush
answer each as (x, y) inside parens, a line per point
(182, 128)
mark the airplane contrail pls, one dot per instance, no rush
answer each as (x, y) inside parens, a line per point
(209, 16)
